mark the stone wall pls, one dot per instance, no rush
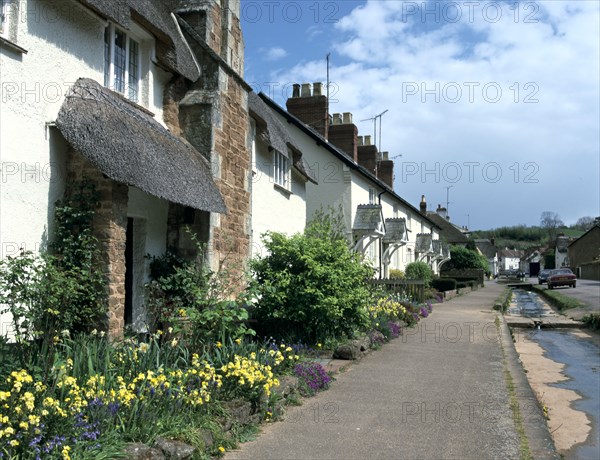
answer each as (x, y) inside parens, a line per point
(213, 117)
(110, 227)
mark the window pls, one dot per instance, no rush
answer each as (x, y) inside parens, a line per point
(409, 221)
(395, 212)
(372, 196)
(4, 17)
(121, 62)
(281, 170)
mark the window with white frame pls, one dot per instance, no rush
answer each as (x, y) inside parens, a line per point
(3, 17)
(372, 196)
(409, 221)
(281, 170)
(122, 62)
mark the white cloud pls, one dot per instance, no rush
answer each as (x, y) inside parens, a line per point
(521, 92)
(274, 54)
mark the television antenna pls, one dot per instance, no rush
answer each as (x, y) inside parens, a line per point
(375, 126)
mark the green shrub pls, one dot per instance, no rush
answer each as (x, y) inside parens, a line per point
(444, 284)
(396, 274)
(419, 271)
(463, 258)
(461, 285)
(195, 301)
(311, 286)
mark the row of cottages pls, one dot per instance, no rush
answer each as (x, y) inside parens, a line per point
(303, 152)
(146, 100)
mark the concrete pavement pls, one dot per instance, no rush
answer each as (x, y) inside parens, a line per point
(438, 392)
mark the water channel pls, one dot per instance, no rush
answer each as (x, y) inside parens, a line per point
(579, 352)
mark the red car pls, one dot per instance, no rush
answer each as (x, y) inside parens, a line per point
(561, 277)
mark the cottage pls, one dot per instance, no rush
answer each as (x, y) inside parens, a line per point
(145, 100)
(584, 254)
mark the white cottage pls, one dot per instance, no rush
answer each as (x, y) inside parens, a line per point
(102, 91)
(354, 177)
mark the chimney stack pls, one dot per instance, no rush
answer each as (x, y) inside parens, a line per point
(344, 134)
(423, 205)
(367, 155)
(443, 212)
(385, 169)
(310, 106)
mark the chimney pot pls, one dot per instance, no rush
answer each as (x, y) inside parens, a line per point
(347, 118)
(367, 140)
(317, 89)
(296, 90)
(360, 140)
(386, 156)
(305, 90)
(337, 118)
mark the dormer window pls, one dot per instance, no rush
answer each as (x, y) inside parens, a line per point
(281, 170)
(122, 62)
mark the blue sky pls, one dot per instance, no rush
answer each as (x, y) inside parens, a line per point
(497, 100)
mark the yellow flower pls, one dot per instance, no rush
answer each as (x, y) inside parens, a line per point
(219, 344)
(319, 345)
(174, 342)
(238, 341)
(221, 449)
(182, 312)
(65, 453)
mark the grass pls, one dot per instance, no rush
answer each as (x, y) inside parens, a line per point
(503, 300)
(593, 321)
(560, 301)
(514, 402)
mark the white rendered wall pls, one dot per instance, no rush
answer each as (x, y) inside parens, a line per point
(64, 41)
(274, 209)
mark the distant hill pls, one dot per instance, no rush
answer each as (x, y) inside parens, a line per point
(522, 236)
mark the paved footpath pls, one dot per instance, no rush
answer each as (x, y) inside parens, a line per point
(437, 392)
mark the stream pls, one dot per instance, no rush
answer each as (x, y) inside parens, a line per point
(580, 354)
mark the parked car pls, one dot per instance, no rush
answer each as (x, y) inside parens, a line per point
(561, 277)
(543, 276)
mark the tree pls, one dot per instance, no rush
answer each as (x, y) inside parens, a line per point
(463, 258)
(551, 222)
(584, 223)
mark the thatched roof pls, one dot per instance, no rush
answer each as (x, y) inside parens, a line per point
(273, 133)
(562, 242)
(395, 231)
(368, 219)
(154, 16)
(131, 147)
(487, 248)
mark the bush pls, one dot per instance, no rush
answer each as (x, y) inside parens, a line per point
(463, 258)
(461, 285)
(396, 274)
(311, 286)
(444, 284)
(419, 271)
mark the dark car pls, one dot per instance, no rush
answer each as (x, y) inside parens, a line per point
(543, 276)
(561, 277)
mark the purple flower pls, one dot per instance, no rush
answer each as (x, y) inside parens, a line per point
(423, 312)
(313, 376)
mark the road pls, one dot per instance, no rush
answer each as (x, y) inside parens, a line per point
(587, 291)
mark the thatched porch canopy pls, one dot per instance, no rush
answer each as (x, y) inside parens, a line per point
(130, 146)
(156, 17)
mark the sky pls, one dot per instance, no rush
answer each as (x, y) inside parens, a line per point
(492, 106)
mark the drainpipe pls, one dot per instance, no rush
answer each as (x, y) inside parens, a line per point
(381, 239)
